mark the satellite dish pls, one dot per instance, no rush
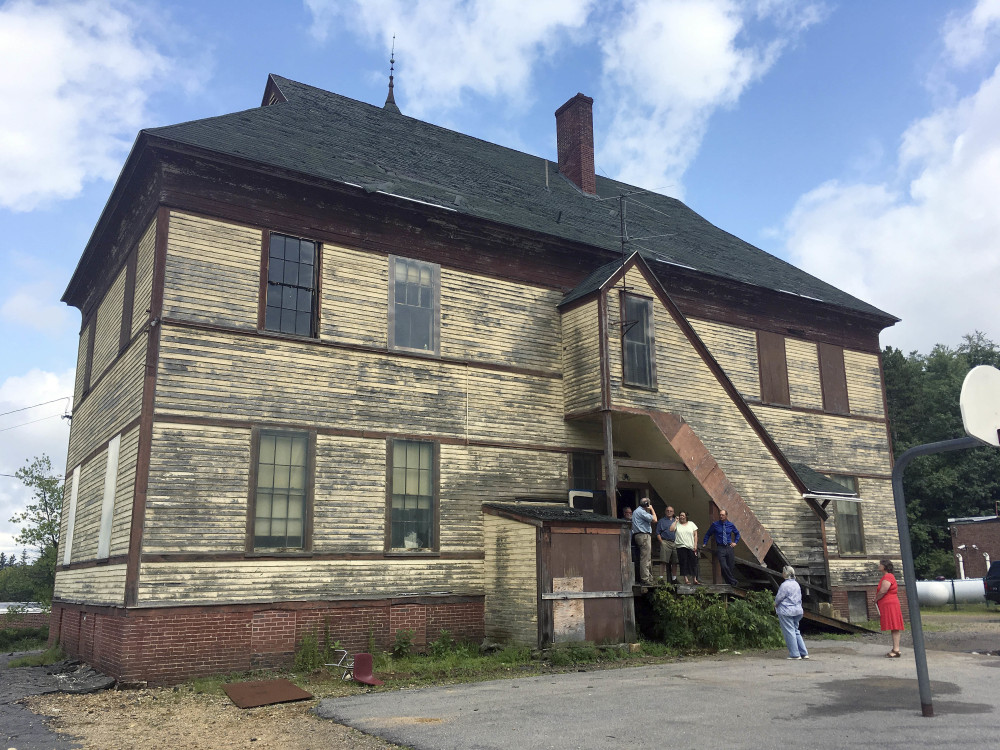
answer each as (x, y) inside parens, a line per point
(980, 402)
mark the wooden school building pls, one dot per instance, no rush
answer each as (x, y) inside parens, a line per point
(342, 368)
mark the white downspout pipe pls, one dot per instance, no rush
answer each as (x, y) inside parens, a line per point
(961, 566)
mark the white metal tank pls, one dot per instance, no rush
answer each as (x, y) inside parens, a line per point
(939, 593)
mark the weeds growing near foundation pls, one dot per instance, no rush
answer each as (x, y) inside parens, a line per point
(40, 659)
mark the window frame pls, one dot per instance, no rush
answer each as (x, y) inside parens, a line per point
(435, 547)
(649, 343)
(851, 484)
(307, 522)
(265, 285)
(435, 308)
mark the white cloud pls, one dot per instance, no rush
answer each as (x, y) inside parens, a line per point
(77, 77)
(28, 433)
(668, 66)
(967, 38)
(927, 249)
(451, 48)
(37, 307)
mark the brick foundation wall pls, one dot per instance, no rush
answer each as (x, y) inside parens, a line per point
(979, 538)
(840, 605)
(28, 620)
(170, 645)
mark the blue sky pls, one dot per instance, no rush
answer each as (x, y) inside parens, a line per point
(860, 141)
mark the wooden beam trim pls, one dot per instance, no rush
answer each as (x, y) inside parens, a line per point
(632, 463)
(309, 341)
(819, 412)
(146, 414)
(95, 563)
(366, 434)
(103, 446)
(183, 557)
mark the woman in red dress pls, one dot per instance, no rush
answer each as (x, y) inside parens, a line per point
(887, 601)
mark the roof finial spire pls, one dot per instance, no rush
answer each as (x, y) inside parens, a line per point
(390, 100)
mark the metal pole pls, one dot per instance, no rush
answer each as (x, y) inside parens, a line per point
(906, 553)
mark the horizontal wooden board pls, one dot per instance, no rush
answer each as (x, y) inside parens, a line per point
(104, 584)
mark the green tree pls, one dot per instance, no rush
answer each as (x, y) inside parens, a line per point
(922, 392)
(39, 521)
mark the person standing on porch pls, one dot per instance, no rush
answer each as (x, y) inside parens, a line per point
(726, 536)
(666, 531)
(643, 519)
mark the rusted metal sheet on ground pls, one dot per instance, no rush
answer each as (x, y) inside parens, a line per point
(264, 693)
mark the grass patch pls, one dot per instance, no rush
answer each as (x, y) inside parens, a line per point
(41, 659)
(964, 610)
(23, 639)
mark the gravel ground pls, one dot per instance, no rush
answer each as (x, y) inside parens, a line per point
(170, 719)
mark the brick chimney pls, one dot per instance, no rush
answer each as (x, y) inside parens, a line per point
(575, 142)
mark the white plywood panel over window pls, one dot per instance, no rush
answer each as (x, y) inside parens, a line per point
(71, 521)
(108, 501)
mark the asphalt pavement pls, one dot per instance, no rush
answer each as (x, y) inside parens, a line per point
(847, 695)
(20, 728)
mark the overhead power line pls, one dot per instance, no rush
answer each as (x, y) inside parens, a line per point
(34, 406)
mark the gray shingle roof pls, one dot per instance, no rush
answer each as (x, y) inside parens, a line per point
(553, 512)
(332, 137)
(819, 484)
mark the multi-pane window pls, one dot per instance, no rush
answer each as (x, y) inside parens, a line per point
(291, 286)
(413, 304)
(280, 508)
(847, 517)
(637, 341)
(412, 496)
(585, 471)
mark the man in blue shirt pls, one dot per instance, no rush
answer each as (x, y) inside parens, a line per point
(643, 519)
(726, 537)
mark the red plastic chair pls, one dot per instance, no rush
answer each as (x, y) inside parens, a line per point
(363, 671)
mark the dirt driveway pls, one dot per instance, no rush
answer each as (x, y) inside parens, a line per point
(180, 719)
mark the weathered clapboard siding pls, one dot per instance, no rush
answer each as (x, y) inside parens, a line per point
(349, 491)
(212, 272)
(355, 303)
(114, 402)
(736, 351)
(196, 500)
(490, 320)
(581, 358)
(829, 443)
(107, 332)
(688, 388)
(864, 383)
(802, 361)
(88, 508)
(121, 523)
(143, 296)
(173, 584)
(472, 475)
(99, 585)
(208, 373)
(511, 581)
(81, 363)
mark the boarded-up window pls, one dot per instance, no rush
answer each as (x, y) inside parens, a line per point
(128, 301)
(291, 286)
(638, 346)
(412, 495)
(833, 376)
(283, 488)
(773, 368)
(414, 304)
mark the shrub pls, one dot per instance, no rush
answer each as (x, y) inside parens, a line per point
(23, 639)
(703, 621)
(309, 655)
(403, 645)
(444, 645)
